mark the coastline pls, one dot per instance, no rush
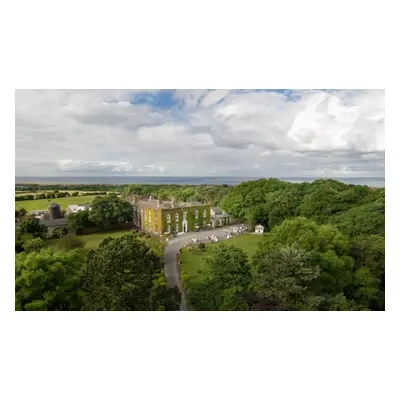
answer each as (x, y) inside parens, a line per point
(180, 180)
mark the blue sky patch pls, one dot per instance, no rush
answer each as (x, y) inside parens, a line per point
(163, 99)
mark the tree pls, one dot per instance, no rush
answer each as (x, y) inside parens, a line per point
(283, 204)
(227, 276)
(60, 232)
(163, 298)
(369, 253)
(79, 221)
(110, 210)
(363, 288)
(283, 280)
(20, 213)
(32, 226)
(329, 250)
(318, 203)
(367, 219)
(121, 274)
(257, 215)
(48, 281)
(34, 245)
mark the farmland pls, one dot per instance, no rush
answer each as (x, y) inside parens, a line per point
(42, 204)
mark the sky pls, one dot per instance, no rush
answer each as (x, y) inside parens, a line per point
(249, 133)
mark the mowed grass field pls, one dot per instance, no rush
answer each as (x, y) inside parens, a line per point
(42, 204)
(194, 260)
(92, 240)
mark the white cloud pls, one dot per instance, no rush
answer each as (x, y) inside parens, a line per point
(222, 132)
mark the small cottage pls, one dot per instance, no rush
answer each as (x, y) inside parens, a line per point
(259, 229)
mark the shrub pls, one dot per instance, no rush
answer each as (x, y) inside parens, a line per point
(60, 232)
(184, 276)
(33, 245)
(202, 246)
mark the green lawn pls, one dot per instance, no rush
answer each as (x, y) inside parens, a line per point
(93, 240)
(192, 261)
(42, 204)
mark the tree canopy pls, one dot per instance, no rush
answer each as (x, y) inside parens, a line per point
(110, 210)
(121, 275)
(47, 281)
(227, 278)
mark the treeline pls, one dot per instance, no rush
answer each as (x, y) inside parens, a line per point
(124, 274)
(208, 194)
(325, 250)
(34, 187)
(56, 195)
(212, 194)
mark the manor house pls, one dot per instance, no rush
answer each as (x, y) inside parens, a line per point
(161, 217)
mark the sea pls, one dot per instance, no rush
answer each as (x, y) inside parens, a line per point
(185, 180)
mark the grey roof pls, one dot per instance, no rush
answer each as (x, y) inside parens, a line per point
(217, 210)
(157, 204)
(54, 222)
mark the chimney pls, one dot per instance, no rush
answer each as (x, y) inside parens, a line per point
(173, 201)
(158, 203)
(150, 198)
(133, 199)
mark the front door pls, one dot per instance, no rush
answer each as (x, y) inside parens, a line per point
(184, 226)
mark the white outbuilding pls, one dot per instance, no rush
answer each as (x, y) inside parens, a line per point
(259, 229)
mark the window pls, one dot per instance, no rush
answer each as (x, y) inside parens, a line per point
(204, 213)
(196, 214)
(177, 228)
(184, 215)
(169, 229)
(176, 217)
(150, 218)
(168, 218)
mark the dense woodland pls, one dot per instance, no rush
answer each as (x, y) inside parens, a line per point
(324, 250)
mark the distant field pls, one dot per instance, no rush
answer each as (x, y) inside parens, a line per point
(42, 204)
(17, 194)
(192, 261)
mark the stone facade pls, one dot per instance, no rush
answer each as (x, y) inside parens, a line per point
(161, 217)
(219, 217)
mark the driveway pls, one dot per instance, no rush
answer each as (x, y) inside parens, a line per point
(171, 268)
